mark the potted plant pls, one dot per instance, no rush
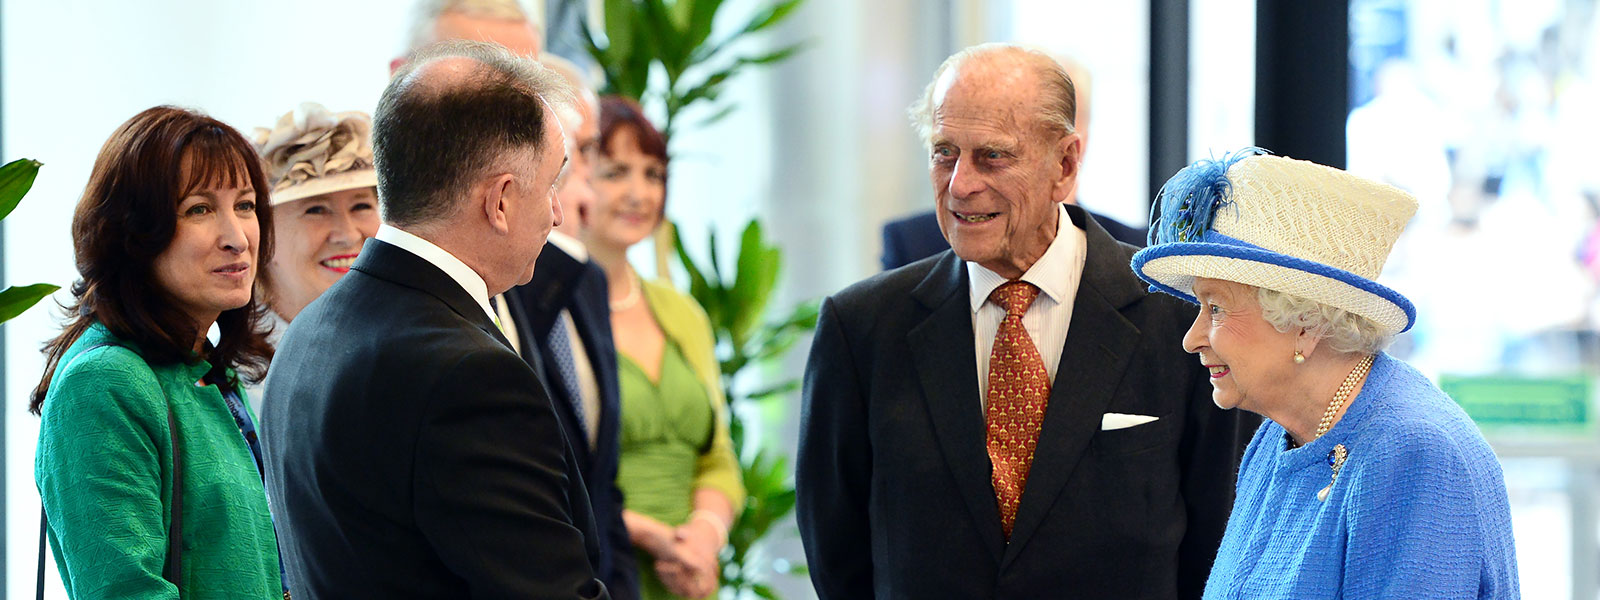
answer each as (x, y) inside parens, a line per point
(674, 38)
(16, 178)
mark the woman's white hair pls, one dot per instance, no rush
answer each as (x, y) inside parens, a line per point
(1341, 330)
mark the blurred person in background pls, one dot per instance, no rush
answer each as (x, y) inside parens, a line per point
(148, 463)
(564, 324)
(1366, 480)
(325, 195)
(678, 473)
(502, 22)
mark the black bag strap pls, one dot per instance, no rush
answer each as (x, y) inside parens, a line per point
(173, 569)
(174, 566)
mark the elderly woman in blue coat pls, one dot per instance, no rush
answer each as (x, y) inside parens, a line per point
(1366, 480)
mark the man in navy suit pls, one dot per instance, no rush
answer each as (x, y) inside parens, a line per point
(1016, 418)
(563, 323)
(910, 239)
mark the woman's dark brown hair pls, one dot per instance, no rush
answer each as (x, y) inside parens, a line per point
(127, 217)
(618, 113)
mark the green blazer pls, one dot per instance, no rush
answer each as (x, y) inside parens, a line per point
(104, 470)
(685, 323)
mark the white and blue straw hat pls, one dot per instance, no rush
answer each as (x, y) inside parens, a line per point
(1288, 225)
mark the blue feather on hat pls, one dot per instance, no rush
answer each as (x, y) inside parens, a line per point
(1188, 202)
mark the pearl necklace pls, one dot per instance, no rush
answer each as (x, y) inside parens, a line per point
(1337, 456)
(628, 300)
(1343, 393)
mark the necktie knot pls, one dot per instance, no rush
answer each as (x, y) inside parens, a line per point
(1015, 297)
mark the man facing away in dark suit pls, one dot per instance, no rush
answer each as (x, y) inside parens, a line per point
(410, 453)
(910, 239)
(957, 440)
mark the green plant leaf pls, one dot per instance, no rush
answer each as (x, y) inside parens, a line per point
(16, 178)
(755, 278)
(636, 67)
(17, 299)
(620, 16)
(698, 288)
(760, 21)
(776, 55)
(772, 16)
(665, 37)
(775, 390)
(698, 26)
(763, 590)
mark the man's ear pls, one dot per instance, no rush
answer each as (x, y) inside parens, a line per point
(491, 198)
(1071, 149)
(394, 65)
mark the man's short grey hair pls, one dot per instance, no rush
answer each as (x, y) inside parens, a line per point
(434, 137)
(1058, 101)
(427, 13)
(1341, 330)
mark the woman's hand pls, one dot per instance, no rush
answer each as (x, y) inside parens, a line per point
(688, 577)
(687, 568)
(700, 537)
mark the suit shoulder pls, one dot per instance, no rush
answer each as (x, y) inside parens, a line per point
(884, 289)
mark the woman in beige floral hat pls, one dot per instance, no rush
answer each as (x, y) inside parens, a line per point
(324, 188)
(324, 191)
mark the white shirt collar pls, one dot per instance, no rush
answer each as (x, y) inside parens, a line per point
(570, 245)
(1053, 272)
(464, 276)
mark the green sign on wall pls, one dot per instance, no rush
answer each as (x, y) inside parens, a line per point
(1549, 403)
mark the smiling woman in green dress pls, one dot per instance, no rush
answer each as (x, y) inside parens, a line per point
(677, 471)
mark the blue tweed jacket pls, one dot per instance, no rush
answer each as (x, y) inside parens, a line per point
(1418, 511)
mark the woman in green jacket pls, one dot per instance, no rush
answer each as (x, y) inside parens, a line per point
(677, 470)
(168, 237)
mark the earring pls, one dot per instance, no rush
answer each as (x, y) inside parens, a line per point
(1299, 358)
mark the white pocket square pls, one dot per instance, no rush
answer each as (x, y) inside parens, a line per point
(1121, 421)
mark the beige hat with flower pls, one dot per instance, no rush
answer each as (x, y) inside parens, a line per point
(312, 151)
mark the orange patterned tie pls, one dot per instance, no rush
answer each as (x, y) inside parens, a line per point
(1019, 390)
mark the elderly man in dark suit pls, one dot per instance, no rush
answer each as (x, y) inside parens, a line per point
(410, 452)
(957, 440)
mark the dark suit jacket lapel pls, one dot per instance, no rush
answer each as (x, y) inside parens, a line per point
(942, 351)
(397, 265)
(555, 277)
(1100, 343)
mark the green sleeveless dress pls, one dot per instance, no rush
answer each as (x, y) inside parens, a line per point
(666, 426)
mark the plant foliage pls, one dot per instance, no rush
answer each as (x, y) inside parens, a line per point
(16, 178)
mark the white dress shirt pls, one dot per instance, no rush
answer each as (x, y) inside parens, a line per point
(1057, 274)
(463, 275)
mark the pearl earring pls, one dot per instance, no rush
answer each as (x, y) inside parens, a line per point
(1299, 358)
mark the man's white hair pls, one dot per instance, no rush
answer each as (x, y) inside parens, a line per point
(1058, 104)
(428, 12)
